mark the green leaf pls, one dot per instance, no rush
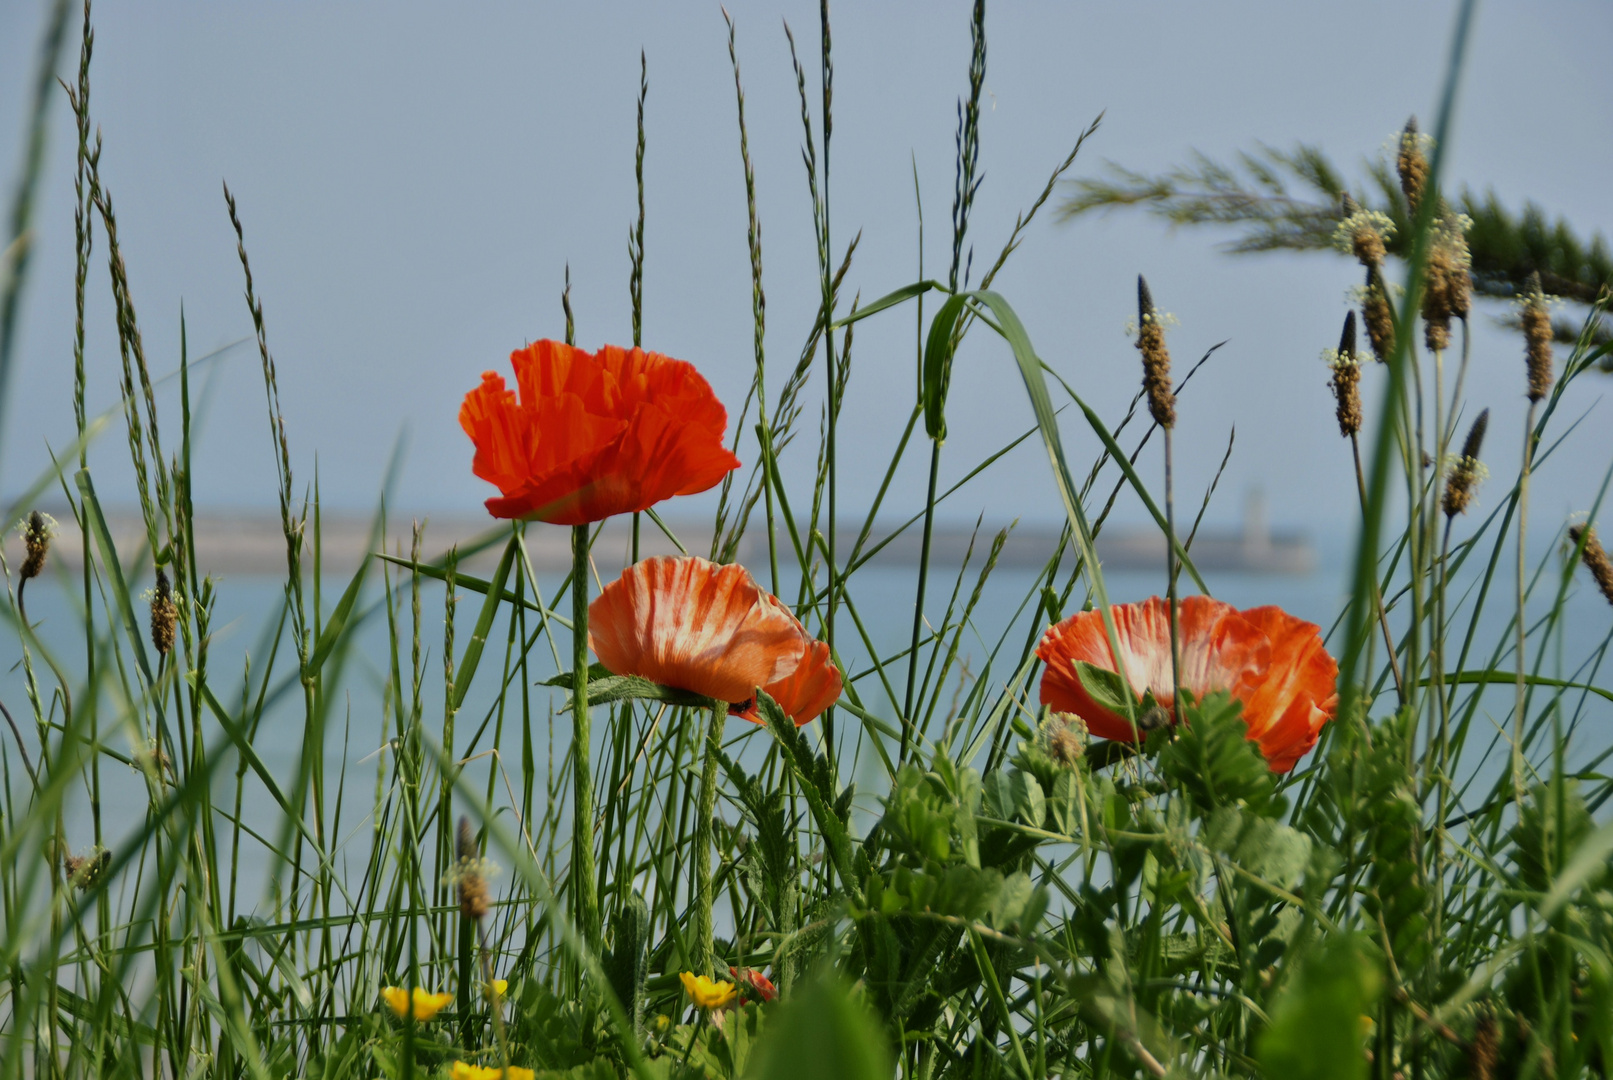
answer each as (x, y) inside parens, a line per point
(1316, 1020)
(816, 786)
(484, 624)
(822, 1033)
(938, 349)
(1212, 759)
(889, 300)
(1106, 688)
(114, 569)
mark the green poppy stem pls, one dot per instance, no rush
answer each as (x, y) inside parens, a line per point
(584, 899)
(705, 953)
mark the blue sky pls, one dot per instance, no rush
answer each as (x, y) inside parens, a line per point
(414, 177)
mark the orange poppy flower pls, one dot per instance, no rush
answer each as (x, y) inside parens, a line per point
(804, 693)
(1271, 662)
(694, 625)
(594, 434)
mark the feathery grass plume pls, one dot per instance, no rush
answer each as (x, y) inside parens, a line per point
(1595, 558)
(1378, 315)
(37, 533)
(163, 615)
(1346, 381)
(1536, 322)
(1412, 165)
(469, 878)
(1468, 471)
(1156, 358)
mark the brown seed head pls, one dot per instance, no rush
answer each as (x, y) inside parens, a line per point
(1595, 558)
(1537, 334)
(1378, 316)
(1485, 1048)
(1437, 298)
(1156, 359)
(1064, 737)
(1467, 472)
(163, 615)
(1346, 381)
(1412, 166)
(468, 877)
(1367, 243)
(36, 535)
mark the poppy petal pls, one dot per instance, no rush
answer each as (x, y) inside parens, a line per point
(694, 625)
(1298, 693)
(812, 687)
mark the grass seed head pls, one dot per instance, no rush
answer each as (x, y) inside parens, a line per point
(1346, 381)
(1595, 558)
(1437, 299)
(1467, 472)
(163, 615)
(1536, 322)
(1156, 358)
(37, 533)
(1412, 165)
(1485, 1048)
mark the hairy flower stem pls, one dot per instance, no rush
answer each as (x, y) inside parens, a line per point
(1377, 591)
(705, 953)
(584, 897)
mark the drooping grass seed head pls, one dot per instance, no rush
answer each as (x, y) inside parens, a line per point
(1467, 471)
(1378, 315)
(37, 533)
(1412, 165)
(1536, 322)
(1156, 358)
(164, 614)
(1595, 558)
(1346, 380)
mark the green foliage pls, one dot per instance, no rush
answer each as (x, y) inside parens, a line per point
(1289, 200)
(823, 1033)
(1320, 1021)
(1212, 759)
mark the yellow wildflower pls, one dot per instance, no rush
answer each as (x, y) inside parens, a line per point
(708, 993)
(426, 1004)
(497, 989)
(464, 1070)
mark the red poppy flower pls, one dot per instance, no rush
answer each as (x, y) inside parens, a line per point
(804, 693)
(755, 982)
(694, 625)
(594, 434)
(1270, 661)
